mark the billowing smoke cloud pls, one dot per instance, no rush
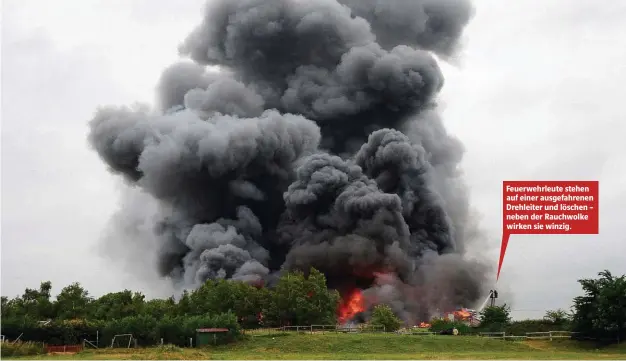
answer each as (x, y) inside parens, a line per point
(317, 143)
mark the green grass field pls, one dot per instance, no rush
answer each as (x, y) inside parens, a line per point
(363, 346)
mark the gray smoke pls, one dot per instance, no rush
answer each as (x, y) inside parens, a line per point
(435, 25)
(302, 134)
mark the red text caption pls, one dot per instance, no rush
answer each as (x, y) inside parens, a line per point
(548, 207)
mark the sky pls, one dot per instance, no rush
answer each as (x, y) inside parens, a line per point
(534, 95)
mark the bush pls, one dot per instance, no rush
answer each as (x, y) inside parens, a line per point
(495, 315)
(146, 329)
(520, 328)
(298, 298)
(70, 332)
(441, 325)
(143, 328)
(382, 315)
(9, 349)
(600, 313)
(558, 317)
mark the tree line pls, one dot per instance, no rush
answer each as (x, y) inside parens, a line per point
(598, 315)
(296, 299)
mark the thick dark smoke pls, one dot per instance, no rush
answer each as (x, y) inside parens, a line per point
(317, 143)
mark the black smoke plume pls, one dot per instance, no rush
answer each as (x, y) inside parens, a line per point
(316, 143)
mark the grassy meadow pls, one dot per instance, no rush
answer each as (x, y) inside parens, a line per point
(360, 346)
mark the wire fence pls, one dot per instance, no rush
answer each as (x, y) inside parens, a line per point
(354, 329)
(322, 329)
(550, 335)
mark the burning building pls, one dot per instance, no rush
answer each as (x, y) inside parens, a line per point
(317, 143)
(465, 315)
(351, 306)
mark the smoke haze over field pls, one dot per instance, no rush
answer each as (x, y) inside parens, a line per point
(317, 144)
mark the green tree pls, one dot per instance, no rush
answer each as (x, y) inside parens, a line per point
(45, 307)
(601, 312)
(288, 300)
(5, 306)
(117, 305)
(321, 303)
(299, 300)
(73, 302)
(158, 308)
(223, 296)
(246, 303)
(557, 317)
(383, 315)
(34, 304)
(184, 306)
(268, 314)
(495, 316)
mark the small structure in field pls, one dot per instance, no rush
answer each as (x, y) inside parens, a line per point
(63, 349)
(203, 335)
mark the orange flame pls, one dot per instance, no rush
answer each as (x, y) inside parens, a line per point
(462, 314)
(424, 325)
(351, 306)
